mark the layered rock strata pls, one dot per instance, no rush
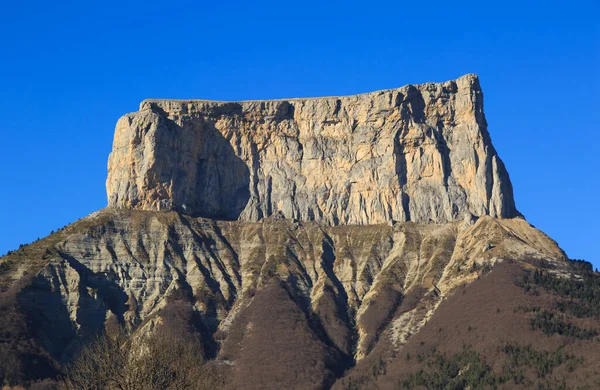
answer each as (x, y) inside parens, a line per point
(418, 153)
(352, 280)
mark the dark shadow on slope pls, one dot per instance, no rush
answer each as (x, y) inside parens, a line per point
(290, 355)
(333, 307)
(51, 321)
(343, 360)
(181, 320)
(22, 358)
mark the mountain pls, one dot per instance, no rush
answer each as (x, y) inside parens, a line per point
(367, 241)
(418, 153)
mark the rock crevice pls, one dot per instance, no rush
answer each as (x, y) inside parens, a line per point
(418, 153)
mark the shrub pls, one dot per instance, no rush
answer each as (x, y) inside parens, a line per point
(154, 362)
(5, 266)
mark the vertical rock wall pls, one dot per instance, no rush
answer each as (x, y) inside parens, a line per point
(420, 153)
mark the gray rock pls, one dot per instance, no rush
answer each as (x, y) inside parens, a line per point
(420, 153)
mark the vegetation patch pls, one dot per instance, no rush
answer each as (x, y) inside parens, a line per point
(581, 299)
(553, 323)
(578, 310)
(543, 362)
(468, 370)
(587, 290)
(155, 362)
(5, 266)
(465, 369)
(556, 323)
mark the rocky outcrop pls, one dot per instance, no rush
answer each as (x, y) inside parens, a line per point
(356, 284)
(264, 228)
(418, 153)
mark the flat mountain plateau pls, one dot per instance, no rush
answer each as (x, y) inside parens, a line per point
(360, 242)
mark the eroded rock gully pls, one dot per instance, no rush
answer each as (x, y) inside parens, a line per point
(350, 281)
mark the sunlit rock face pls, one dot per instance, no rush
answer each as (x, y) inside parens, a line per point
(418, 153)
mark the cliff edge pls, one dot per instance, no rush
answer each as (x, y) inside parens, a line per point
(418, 153)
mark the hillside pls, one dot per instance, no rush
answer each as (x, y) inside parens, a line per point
(311, 303)
(359, 242)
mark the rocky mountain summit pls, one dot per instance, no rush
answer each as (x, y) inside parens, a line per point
(310, 244)
(418, 153)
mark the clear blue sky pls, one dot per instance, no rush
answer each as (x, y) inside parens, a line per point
(69, 70)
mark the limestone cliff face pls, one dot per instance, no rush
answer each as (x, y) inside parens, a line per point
(418, 153)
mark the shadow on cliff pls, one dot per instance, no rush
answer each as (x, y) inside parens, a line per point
(208, 177)
(402, 174)
(414, 114)
(223, 178)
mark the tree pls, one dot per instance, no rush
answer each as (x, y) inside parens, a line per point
(159, 361)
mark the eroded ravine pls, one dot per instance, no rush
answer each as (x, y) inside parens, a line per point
(356, 284)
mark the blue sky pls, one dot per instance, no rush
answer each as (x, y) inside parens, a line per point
(69, 70)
